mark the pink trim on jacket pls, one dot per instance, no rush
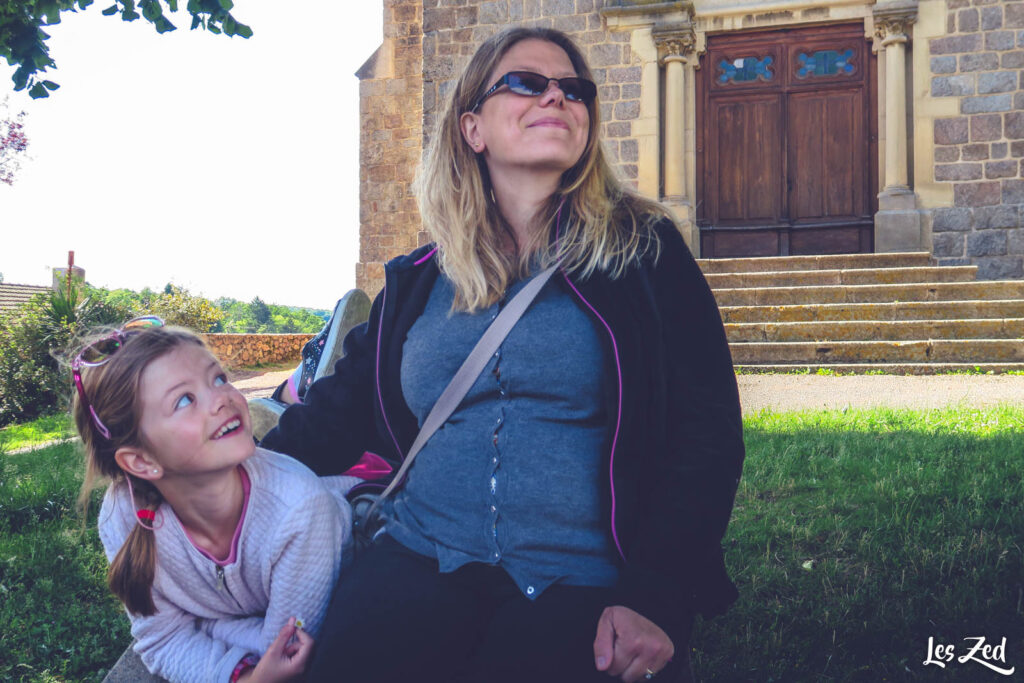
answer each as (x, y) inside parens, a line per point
(618, 417)
(426, 258)
(233, 555)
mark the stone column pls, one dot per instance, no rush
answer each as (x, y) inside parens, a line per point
(676, 53)
(897, 223)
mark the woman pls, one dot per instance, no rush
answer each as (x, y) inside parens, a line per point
(565, 523)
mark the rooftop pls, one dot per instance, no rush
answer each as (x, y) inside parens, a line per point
(12, 296)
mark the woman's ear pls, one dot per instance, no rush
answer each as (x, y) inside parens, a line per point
(137, 462)
(469, 124)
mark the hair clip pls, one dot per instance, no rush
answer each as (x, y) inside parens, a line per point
(148, 515)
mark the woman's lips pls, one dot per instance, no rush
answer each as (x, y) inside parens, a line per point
(549, 122)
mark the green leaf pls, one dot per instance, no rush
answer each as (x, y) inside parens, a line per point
(110, 10)
(50, 85)
(195, 6)
(82, 4)
(172, 5)
(229, 25)
(212, 28)
(164, 26)
(151, 10)
(243, 30)
(196, 21)
(37, 91)
(51, 11)
(227, 4)
(41, 60)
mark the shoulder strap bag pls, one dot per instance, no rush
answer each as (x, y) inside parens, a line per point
(366, 525)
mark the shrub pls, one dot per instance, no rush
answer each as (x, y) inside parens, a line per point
(32, 337)
(187, 310)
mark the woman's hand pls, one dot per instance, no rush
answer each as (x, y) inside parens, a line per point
(629, 646)
(286, 658)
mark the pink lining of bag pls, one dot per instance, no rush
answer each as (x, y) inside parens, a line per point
(370, 466)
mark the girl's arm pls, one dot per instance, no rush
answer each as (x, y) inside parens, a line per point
(168, 642)
(306, 557)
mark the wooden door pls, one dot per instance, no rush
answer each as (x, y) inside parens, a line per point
(786, 144)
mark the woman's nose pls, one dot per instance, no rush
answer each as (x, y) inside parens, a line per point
(553, 94)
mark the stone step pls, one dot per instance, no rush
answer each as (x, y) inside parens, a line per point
(932, 351)
(886, 368)
(876, 330)
(826, 262)
(835, 294)
(902, 310)
(857, 276)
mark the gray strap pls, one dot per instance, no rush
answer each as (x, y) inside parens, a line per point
(471, 368)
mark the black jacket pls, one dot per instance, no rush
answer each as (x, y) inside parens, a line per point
(677, 451)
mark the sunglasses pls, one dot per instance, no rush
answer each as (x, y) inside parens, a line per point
(529, 84)
(99, 352)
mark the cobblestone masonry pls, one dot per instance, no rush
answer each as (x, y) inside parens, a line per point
(981, 151)
(451, 30)
(390, 143)
(245, 350)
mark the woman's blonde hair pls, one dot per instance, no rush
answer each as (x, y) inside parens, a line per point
(112, 389)
(604, 227)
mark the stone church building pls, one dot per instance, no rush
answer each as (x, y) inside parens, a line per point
(771, 127)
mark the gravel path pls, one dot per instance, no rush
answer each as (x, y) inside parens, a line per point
(813, 392)
(810, 392)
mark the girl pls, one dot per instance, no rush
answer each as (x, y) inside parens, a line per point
(220, 551)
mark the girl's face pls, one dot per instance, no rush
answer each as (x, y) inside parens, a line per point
(519, 132)
(193, 420)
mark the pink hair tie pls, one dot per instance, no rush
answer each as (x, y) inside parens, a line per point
(147, 518)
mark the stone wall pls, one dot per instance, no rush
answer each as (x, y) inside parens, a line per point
(390, 143)
(245, 350)
(981, 151)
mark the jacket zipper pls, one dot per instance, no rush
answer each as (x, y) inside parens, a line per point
(380, 394)
(618, 417)
(618, 371)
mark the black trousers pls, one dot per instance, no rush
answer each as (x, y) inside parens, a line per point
(395, 617)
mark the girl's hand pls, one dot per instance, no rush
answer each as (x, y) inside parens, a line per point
(629, 645)
(286, 658)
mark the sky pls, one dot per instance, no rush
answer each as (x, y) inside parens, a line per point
(226, 166)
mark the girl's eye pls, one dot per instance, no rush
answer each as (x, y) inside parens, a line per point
(220, 380)
(185, 401)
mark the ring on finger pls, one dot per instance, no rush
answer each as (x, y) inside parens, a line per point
(648, 675)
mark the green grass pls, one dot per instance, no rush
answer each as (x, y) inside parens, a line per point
(41, 430)
(58, 621)
(856, 535)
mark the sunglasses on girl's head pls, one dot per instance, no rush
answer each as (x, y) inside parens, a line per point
(530, 84)
(99, 352)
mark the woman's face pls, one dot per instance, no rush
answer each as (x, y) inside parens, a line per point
(543, 133)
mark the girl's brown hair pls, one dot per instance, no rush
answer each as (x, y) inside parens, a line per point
(112, 389)
(608, 227)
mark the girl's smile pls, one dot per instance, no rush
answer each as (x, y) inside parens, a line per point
(193, 420)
